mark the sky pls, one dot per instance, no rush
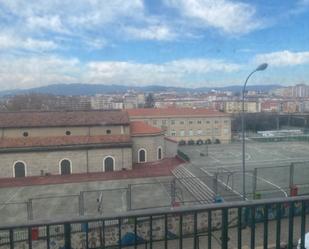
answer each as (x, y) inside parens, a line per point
(186, 43)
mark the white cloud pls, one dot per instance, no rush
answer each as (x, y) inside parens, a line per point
(156, 32)
(283, 58)
(228, 16)
(52, 23)
(78, 20)
(37, 71)
(172, 73)
(44, 70)
(8, 41)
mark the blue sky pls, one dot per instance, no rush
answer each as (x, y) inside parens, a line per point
(189, 43)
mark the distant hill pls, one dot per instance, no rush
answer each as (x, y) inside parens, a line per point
(91, 89)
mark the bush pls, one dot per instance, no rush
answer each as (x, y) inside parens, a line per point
(208, 141)
(182, 142)
(200, 141)
(191, 142)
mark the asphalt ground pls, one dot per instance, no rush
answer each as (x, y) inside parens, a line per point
(271, 160)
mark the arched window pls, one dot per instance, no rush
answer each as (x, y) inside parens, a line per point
(19, 169)
(159, 154)
(108, 164)
(65, 167)
(142, 156)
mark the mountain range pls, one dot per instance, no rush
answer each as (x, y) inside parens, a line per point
(87, 89)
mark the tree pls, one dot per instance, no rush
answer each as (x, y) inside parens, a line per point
(149, 102)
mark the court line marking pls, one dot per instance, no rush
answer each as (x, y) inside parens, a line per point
(230, 188)
(299, 160)
(257, 177)
(11, 197)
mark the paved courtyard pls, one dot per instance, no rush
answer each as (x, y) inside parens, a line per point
(271, 160)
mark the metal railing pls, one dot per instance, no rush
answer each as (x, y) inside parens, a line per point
(265, 223)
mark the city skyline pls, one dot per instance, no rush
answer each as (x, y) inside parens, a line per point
(196, 43)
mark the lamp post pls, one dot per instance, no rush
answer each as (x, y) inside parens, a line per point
(259, 68)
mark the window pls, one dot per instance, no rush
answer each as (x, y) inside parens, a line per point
(142, 156)
(25, 134)
(216, 122)
(173, 133)
(163, 122)
(108, 164)
(181, 122)
(199, 132)
(199, 121)
(68, 133)
(207, 122)
(159, 153)
(108, 131)
(217, 131)
(182, 133)
(190, 133)
(65, 167)
(190, 122)
(172, 122)
(19, 169)
(154, 122)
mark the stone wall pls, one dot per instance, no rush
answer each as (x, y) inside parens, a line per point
(150, 144)
(171, 148)
(61, 131)
(83, 160)
(110, 233)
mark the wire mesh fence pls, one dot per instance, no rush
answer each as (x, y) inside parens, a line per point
(216, 185)
(49, 207)
(94, 202)
(9, 210)
(263, 182)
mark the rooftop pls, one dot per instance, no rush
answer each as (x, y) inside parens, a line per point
(39, 142)
(177, 112)
(141, 128)
(62, 118)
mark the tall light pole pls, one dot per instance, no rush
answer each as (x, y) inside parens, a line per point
(259, 68)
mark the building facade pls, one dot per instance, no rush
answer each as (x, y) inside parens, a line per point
(236, 106)
(198, 125)
(49, 143)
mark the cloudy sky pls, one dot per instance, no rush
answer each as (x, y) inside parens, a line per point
(189, 43)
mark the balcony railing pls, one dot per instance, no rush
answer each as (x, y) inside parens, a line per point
(265, 224)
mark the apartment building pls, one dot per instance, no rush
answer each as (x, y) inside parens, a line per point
(200, 125)
(236, 106)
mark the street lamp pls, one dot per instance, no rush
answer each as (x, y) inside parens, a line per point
(259, 68)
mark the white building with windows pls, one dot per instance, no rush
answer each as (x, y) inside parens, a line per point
(69, 142)
(198, 125)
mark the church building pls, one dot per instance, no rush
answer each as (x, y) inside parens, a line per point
(72, 142)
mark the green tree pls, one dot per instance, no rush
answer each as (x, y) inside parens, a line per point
(150, 101)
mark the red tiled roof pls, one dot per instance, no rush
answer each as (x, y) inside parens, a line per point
(157, 169)
(62, 118)
(158, 112)
(171, 140)
(141, 128)
(34, 142)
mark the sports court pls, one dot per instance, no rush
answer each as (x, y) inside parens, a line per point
(72, 200)
(270, 166)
